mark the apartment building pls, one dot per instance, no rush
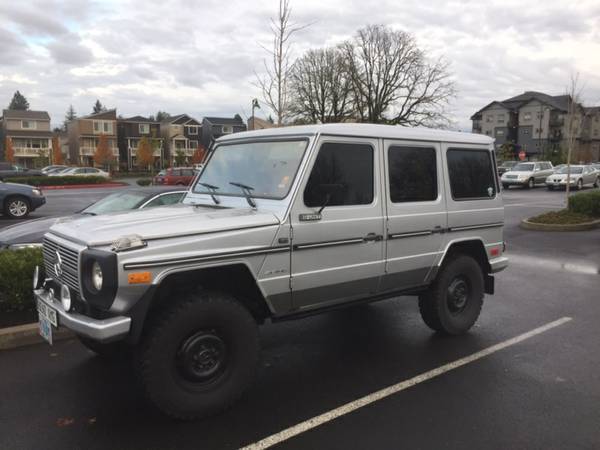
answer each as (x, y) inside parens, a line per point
(536, 123)
(180, 133)
(29, 132)
(215, 127)
(130, 132)
(84, 134)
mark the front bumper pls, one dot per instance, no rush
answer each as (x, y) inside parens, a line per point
(36, 202)
(561, 183)
(102, 330)
(498, 264)
(514, 181)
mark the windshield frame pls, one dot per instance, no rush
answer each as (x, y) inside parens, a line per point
(514, 168)
(206, 191)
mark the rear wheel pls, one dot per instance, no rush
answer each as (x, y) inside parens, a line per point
(199, 356)
(454, 300)
(17, 207)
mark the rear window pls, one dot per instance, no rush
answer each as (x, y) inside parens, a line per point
(471, 174)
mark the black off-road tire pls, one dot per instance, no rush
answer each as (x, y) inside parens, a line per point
(439, 311)
(111, 350)
(173, 351)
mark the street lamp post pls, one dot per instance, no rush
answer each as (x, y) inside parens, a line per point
(255, 105)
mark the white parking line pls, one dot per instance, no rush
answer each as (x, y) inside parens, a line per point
(394, 389)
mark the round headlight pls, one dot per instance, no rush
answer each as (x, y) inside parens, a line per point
(36, 277)
(97, 276)
(65, 297)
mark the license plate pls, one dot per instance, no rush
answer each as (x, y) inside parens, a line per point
(47, 318)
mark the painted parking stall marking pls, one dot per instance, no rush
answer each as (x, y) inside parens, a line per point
(333, 414)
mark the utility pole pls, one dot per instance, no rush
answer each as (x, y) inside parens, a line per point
(255, 105)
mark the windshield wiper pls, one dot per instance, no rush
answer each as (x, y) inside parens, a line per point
(213, 190)
(247, 192)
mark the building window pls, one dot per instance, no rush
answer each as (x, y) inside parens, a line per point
(192, 129)
(413, 174)
(144, 128)
(103, 126)
(471, 174)
(526, 131)
(227, 129)
(527, 116)
(499, 132)
(28, 124)
(489, 118)
(500, 118)
(488, 132)
(194, 145)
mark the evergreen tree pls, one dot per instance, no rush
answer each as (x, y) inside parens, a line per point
(19, 102)
(162, 115)
(70, 115)
(98, 107)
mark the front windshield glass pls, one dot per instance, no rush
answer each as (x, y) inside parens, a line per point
(122, 201)
(269, 168)
(574, 169)
(523, 167)
(508, 164)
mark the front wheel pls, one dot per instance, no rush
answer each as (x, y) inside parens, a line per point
(579, 184)
(199, 356)
(17, 207)
(531, 183)
(453, 302)
(597, 182)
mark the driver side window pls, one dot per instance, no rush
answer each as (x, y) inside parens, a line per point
(342, 175)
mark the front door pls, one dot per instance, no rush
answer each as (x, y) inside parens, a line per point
(337, 224)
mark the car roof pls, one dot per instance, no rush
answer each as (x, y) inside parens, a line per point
(364, 130)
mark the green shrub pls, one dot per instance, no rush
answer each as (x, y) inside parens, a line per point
(144, 181)
(56, 181)
(562, 217)
(587, 203)
(132, 174)
(16, 274)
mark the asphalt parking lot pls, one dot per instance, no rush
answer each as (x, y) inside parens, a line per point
(541, 390)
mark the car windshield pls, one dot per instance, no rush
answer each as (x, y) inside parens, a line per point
(121, 201)
(267, 169)
(508, 164)
(574, 169)
(523, 167)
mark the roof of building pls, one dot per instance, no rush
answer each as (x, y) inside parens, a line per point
(225, 120)
(137, 119)
(560, 102)
(20, 114)
(366, 130)
(109, 114)
(182, 119)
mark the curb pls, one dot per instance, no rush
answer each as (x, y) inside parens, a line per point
(82, 186)
(527, 225)
(24, 335)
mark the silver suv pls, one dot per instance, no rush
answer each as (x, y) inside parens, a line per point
(280, 224)
(527, 174)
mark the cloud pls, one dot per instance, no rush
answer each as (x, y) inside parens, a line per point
(199, 56)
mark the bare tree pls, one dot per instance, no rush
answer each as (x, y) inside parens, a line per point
(320, 87)
(274, 83)
(574, 123)
(394, 82)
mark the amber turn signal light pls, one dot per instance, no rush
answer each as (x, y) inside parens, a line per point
(139, 278)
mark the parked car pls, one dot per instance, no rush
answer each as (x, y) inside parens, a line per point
(178, 176)
(18, 200)
(580, 176)
(54, 168)
(527, 174)
(185, 286)
(506, 166)
(31, 233)
(9, 170)
(559, 167)
(81, 172)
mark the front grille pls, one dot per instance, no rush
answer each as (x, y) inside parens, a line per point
(69, 266)
(511, 176)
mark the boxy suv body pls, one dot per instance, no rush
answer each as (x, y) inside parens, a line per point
(527, 174)
(280, 224)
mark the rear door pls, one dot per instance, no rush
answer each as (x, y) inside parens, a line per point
(416, 212)
(337, 224)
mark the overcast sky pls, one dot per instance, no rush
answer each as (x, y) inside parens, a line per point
(199, 57)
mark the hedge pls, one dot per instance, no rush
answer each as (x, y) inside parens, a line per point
(587, 203)
(56, 181)
(144, 181)
(16, 274)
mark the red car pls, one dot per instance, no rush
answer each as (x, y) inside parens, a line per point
(178, 176)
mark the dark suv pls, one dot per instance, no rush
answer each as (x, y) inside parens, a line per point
(8, 170)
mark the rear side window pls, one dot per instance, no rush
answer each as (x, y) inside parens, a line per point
(342, 175)
(471, 174)
(413, 174)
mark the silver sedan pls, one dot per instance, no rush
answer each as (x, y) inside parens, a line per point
(580, 176)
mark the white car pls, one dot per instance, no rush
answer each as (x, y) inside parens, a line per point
(81, 172)
(527, 174)
(580, 176)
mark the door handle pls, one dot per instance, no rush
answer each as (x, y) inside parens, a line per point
(437, 229)
(373, 237)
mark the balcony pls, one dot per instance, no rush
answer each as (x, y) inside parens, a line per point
(29, 152)
(89, 151)
(557, 122)
(133, 151)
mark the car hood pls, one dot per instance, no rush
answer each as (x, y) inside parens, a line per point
(163, 222)
(520, 172)
(16, 187)
(563, 176)
(31, 231)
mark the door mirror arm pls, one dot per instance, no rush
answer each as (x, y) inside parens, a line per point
(325, 203)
